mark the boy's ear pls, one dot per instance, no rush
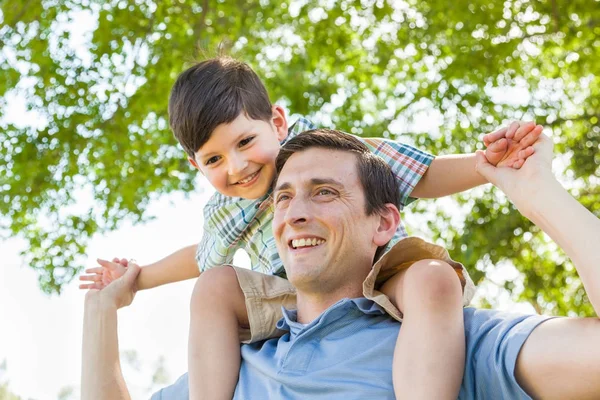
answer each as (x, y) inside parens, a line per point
(280, 122)
(195, 164)
(389, 219)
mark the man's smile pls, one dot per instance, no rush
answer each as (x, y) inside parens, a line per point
(305, 242)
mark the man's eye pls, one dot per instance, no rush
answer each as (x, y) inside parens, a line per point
(324, 192)
(212, 160)
(281, 197)
(245, 141)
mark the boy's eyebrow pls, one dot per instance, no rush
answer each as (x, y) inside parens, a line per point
(313, 182)
(237, 138)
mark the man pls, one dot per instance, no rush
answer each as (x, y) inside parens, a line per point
(339, 343)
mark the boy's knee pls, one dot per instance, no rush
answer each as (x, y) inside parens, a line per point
(435, 280)
(214, 286)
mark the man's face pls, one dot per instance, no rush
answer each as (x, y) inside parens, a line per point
(324, 237)
(239, 158)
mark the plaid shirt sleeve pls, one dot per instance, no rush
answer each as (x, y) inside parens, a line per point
(409, 164)
(213, 249)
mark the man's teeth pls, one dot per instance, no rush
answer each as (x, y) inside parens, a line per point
(306, 242)
(248, 179)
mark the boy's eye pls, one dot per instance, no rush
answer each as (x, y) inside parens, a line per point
(245, 141)
(212, 160)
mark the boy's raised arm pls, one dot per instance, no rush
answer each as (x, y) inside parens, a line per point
(176, 267)
(456, 173)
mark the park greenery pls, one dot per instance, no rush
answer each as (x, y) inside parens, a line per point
(96, 147)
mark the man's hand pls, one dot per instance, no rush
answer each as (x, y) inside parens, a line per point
(121, 291)
(511, 146)
(519, 184)
(102, 276)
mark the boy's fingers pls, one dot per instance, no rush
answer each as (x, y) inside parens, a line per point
(494, 136)
(512, 128)
(498, 145)
(110, 265)
(523, 130)
(532, 136)
(95, 270)
(93, 278)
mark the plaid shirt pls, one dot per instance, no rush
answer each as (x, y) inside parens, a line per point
(232, 223)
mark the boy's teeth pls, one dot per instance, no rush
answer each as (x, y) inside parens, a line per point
(306, 242)
(248, 179)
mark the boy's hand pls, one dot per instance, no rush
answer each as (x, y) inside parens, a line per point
(511, 146)
(104, 275)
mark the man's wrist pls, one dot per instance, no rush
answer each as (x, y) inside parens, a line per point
(95, 302)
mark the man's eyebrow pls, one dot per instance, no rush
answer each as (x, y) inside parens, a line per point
(325, 181)
(283, 186)
(313, 182)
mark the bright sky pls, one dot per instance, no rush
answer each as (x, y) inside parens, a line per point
(41, 336)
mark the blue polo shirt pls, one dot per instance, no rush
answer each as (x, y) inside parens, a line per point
(346, 353)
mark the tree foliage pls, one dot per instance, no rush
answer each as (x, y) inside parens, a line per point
(434, 73)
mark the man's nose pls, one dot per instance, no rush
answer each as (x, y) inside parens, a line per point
(298, 211)
(237, 163)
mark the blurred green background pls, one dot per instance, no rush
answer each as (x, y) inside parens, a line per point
(94, 77)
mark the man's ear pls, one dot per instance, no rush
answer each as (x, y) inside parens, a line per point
(280, 122)
(389, 219)
(195, 164)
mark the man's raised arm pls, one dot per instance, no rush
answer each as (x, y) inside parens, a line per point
(561, 358)
(101, 376)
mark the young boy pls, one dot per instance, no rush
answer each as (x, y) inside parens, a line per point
(221, 114)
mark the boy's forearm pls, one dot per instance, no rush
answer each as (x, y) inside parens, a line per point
(448, 175)
(176, 267)
(101, 376)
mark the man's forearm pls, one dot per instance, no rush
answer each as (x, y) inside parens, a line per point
(176, 267)
(101, 376)
(448, 175)
(575, 229)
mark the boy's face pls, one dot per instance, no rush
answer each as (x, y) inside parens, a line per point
(239, 158)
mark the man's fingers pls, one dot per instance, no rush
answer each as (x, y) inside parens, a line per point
(518, 164)
(494, 136)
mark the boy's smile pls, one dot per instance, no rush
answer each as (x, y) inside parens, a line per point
(239, 158)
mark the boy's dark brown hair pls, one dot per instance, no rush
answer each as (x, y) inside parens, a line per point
(376, 177)
(211, 93)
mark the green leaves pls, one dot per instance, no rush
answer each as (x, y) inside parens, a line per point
(96, 76)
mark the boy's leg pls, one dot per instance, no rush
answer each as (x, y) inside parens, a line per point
(217, 311)
(429, 357)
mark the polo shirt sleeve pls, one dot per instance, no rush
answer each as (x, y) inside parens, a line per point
(177, 391)
(493, 342)
(408, 163)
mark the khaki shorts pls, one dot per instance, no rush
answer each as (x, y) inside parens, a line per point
(265, 294)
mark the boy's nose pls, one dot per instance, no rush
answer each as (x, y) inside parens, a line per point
(237, 164)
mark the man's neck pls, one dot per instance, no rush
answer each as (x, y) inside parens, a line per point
(311, 305)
